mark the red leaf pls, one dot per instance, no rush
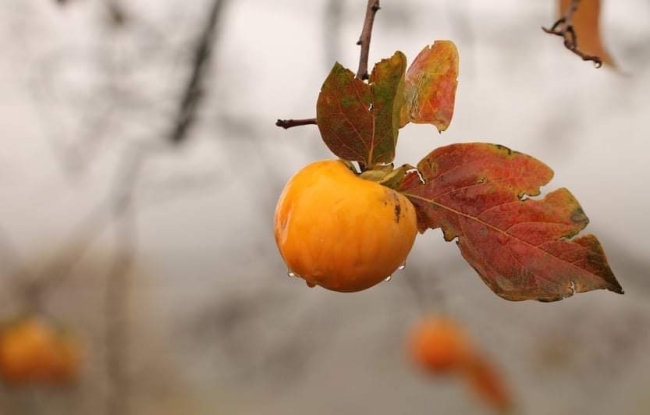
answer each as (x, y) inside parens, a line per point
(520, 247)
(430, 88)
(360, 121)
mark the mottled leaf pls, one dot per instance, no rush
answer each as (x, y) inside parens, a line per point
(586, 24)
(521, 247)
(360, 121)
(430, 87)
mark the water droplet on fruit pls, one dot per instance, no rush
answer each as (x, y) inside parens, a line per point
(401, 267)
(503, 238)
(292, 274)
(388, 278)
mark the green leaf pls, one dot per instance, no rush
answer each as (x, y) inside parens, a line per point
(359, 121)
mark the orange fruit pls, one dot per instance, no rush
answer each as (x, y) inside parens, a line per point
(340, 231)
(32, 351)
(439, 345)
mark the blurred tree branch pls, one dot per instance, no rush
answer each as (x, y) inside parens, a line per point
(193, 91)
(116, 295)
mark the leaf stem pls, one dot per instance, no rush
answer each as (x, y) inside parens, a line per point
(564, 28)
(286, 124)
(364, 39)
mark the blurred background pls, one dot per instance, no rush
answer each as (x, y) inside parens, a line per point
(140, 166)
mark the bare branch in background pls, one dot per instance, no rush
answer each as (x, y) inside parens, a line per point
(193, 91)
(364, 39)
(116, 295)
(286, 124)
(116, 304)
(116, 12)
(564, 28)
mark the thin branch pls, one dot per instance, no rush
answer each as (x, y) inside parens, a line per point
(116, 304)
(116, 298)
(286, 124)
(193, 92)
(564, 28)
(364, 39)
(362, 73)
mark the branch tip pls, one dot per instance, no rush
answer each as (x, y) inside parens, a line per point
(286, 124)
(364, 39)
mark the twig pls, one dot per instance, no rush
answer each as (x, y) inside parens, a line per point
(564, 28)
(286, 124)
(362, 73)
(116, 298)
(116, 304)
(193, 91)
(364, 39)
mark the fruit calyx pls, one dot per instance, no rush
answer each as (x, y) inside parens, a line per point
(386, 174)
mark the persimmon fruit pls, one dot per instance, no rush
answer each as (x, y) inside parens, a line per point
(33, 351)
(340, 231)
(439, 345)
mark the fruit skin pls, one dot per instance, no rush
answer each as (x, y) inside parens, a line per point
(31, 351)
(439, 345)
(340, 231)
